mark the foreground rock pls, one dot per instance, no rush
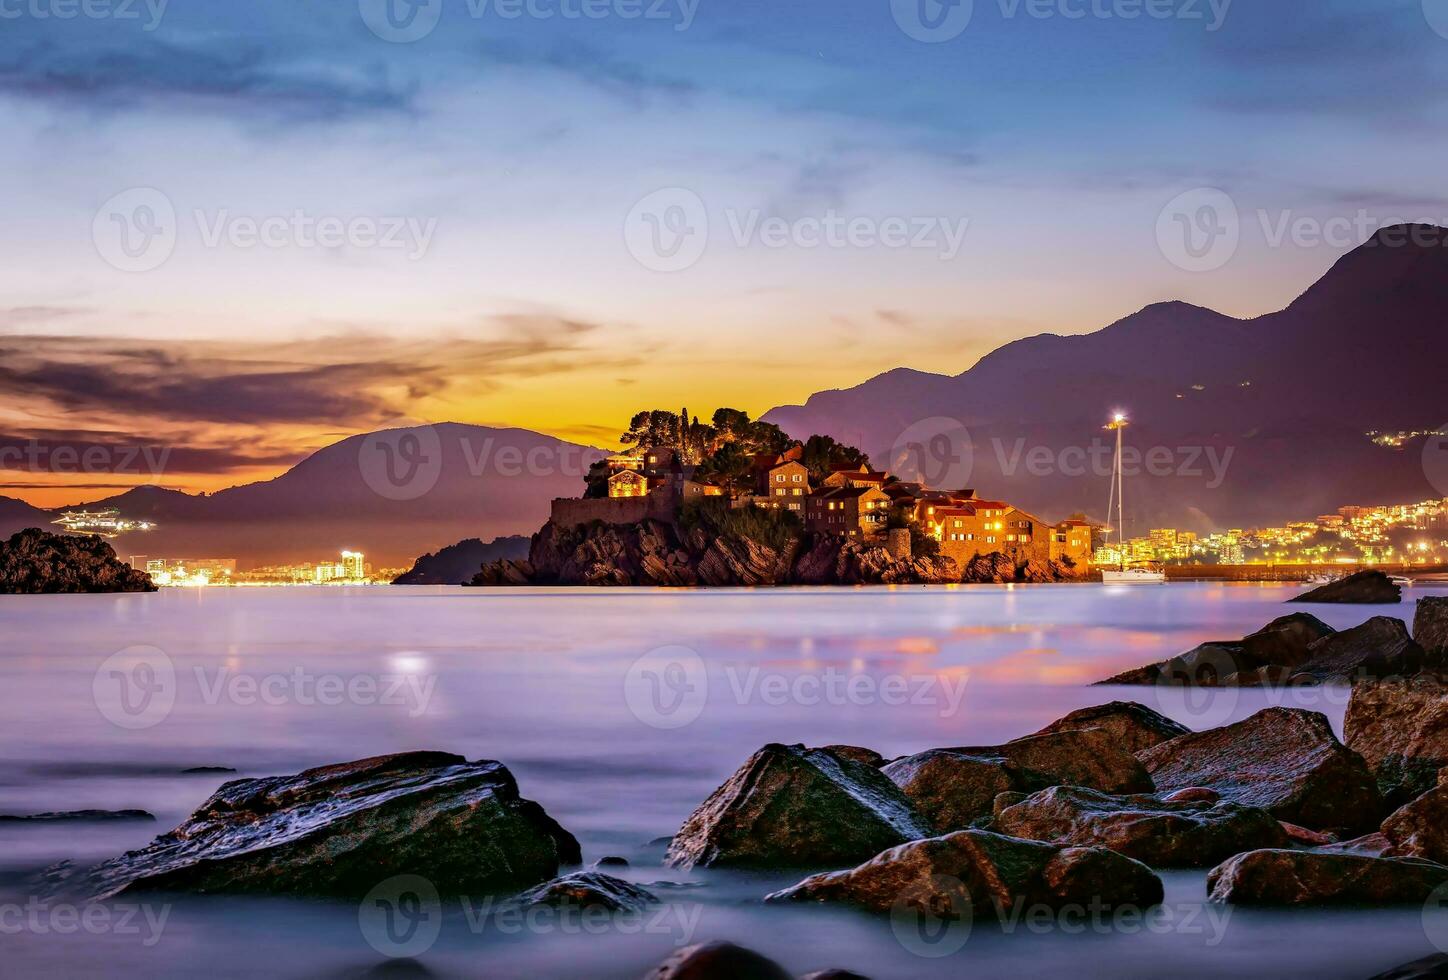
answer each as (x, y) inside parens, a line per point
(35, 561)
(955, 788)
(1284, 760)
(80, 816)
(1428, 968)
(790, 806)
(458, 563)
(1370, 587)
(589, 890)
(1379, 648)
(339, 830)
(1132, 726)
(1430, 625)
(1420, 829)
(1401, 731)
(1282, 877)
(979, 874)
(1162, 835)
(717, 961)
(1281, 645)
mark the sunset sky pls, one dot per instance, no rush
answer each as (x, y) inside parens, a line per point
(512, 154)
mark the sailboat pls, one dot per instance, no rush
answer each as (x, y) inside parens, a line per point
(1141, 574)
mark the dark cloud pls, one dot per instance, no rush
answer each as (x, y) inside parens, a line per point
(230, 72)
(85, 451)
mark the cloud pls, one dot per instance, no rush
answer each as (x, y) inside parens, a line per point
(233, 73)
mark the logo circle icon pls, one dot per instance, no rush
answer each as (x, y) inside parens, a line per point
(400, 21)
(1435, 918)
(135, 688)
(933, 918)
(1436, 13)
(401, 917)
(932, 21)
(1200, 230)
(935, 452)
(667, 687)
(1191, 687)
(135, 230)
(402, 463)
(668, 230)
(1435, 459)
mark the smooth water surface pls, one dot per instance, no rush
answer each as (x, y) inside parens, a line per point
(619, 711)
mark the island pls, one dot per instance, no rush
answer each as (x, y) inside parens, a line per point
(736, 502)
(34, 562)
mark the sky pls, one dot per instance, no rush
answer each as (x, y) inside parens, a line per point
(242, 231)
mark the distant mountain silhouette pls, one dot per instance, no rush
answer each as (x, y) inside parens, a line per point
(393, 495)
(1290, 395)
(458, 563)
(17, 515)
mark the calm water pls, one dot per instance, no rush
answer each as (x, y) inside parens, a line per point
(618, 748)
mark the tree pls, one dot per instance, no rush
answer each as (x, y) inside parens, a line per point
(730, 468)
(822, 454)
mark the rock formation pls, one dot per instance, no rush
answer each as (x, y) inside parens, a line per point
(35, 561)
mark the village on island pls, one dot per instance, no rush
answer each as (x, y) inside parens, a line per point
(674, 461)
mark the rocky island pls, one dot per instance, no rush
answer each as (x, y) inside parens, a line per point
(736, 502)
(36, 562)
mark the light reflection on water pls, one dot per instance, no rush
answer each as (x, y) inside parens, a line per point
(536, 679)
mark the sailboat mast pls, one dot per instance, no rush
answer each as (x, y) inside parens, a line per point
(1120, 501)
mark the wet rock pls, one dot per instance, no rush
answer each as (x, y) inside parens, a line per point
(1004, 800)
(790, 806)
(1420, 829)
(1430, 625)
(1284, 760)
(1134, 726)
(1269, 654)
(1370, 587)
(1379, 648)
(951, 789)
(1192, 794)
(1283, 877)
(982, 875)
(1428, 968)
(834, 975)
(79, 816)
(1090, 758)
(207, 771)
(1401, 730)
(869, 757)
(611, 861)
(717, 961)
(954, 788)
(1305, 837)
(339, 830)
(590, 890)
(1160, 834)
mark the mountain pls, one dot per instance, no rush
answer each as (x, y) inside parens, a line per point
(458, 563)
(1253, 422)
(392, 494)
(17, 515)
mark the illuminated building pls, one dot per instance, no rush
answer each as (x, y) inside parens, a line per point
(100, 523)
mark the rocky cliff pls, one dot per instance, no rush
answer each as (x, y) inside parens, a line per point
(655, 553)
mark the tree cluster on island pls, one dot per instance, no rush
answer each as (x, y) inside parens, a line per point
(723, 449)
